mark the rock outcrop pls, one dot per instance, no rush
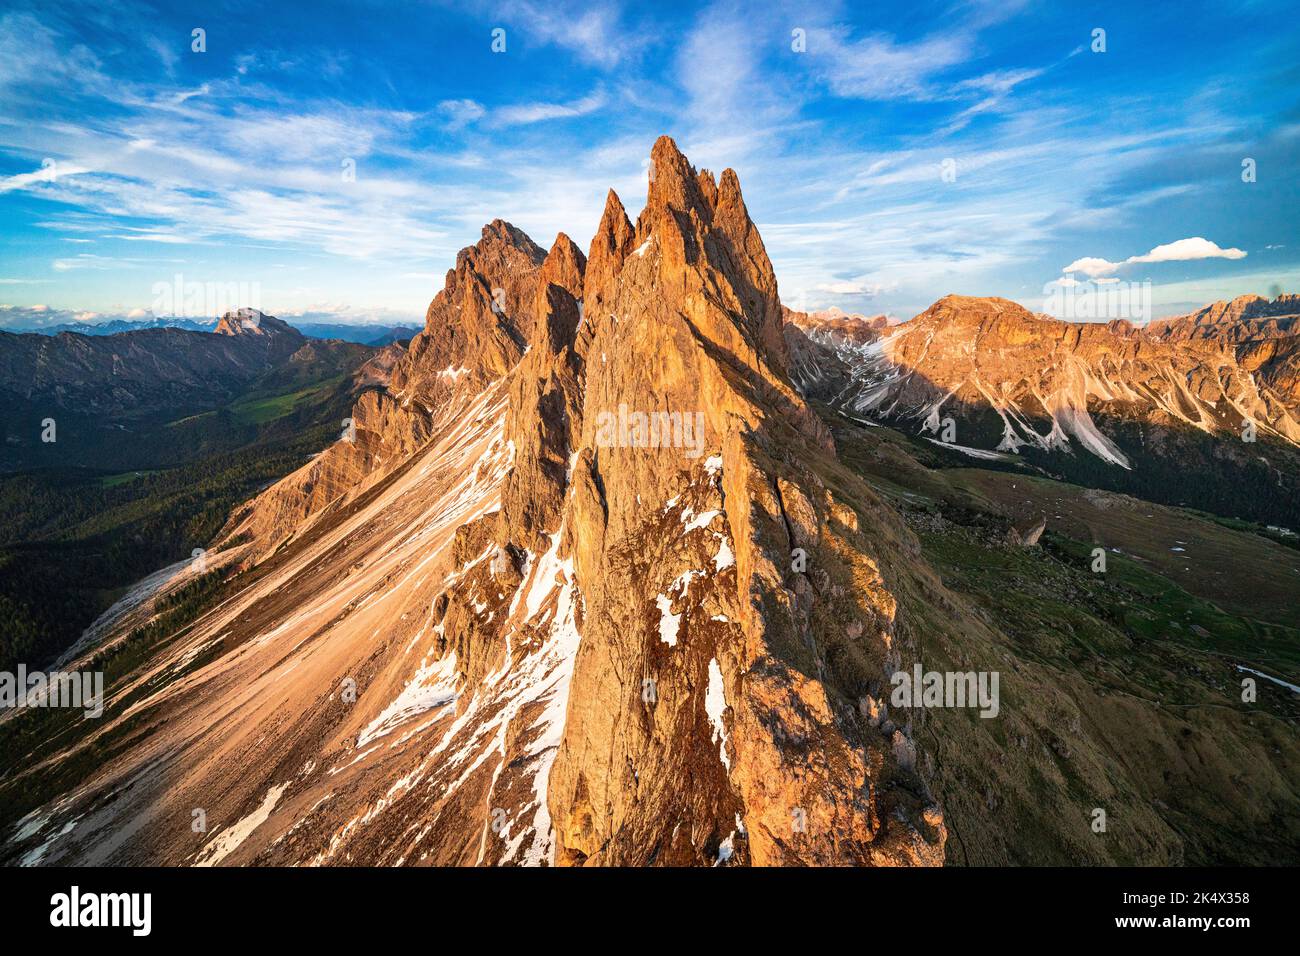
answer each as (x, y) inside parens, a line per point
(683, 543)
(1245, 318)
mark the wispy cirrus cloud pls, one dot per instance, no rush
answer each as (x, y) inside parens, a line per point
(526, 113)
(457, 114)
(878, 67)
(597, 34)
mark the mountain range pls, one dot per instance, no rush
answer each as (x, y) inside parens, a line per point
(618, 562)
(1129, 408)
(123, 453)
(363, 334)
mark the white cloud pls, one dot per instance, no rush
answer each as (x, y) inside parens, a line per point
(21, 317)
(879, 68)
(200, 171)
(151, 236)
(165, 52)
(43, 175)
(335, 133)
(85, 261)
(460, 113)
(526, 113)
(851, 287)
(1092, 266)
(1183, 250)
(595, 34)
(32, 60)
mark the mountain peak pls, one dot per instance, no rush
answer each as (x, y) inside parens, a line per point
(252, 322)
(499, 231)
(609, 246)
(613, 206)
(952, 309)
(564, 265)
(729, 185)
(674, 183)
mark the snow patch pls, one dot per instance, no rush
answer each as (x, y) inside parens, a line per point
(692, 521)
(432, 687)
(973, 452)
(715, 704)
(668, 621)
(229, 839)
(725, 558)
(726, 850)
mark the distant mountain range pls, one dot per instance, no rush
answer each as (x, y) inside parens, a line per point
(154, 368)
(361, 334)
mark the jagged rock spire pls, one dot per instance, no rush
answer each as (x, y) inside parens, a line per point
(609, 247)
(482, 318)
(546, 407)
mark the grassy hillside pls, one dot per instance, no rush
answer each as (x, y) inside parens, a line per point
(1120, 690)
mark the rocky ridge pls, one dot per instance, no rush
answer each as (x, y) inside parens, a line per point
(548, 598)
(1046, 381)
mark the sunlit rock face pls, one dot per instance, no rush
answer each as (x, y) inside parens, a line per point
(1014, 379)
(581, 582)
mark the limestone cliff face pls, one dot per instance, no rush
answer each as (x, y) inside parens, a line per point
(1245, 318)
(1264, 335)
(476, 330)
(704, 724)
(482, 318)
(545, 417)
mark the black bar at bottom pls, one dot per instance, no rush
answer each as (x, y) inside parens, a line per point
(517, 906)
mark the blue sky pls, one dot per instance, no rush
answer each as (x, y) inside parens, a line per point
(127, 159)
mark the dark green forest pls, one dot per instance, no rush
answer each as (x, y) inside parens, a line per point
(122, 499)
